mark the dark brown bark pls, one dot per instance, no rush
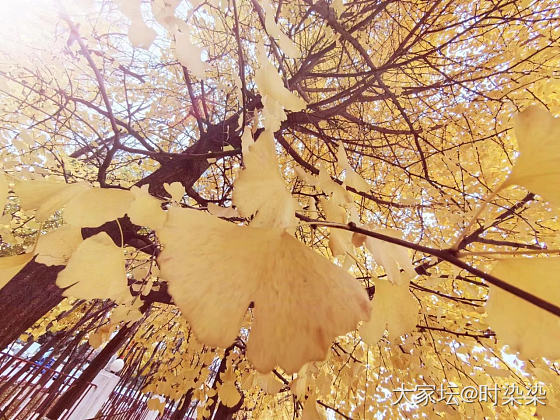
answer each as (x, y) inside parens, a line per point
(26, 298)
(180, 413)
(68, 399)
(32, 292)
(226, 413)
(218, 379)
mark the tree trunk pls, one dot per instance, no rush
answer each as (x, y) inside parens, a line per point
(226, 413)
(180, 413)
(67, 400)
(218, 379)
(26, 298)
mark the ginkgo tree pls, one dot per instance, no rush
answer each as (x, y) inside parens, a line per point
(341, 199)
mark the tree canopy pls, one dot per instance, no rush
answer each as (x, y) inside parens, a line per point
(332, 200)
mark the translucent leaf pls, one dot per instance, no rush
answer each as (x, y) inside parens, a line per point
(260, 190)
(324, 383)
(299, 297)
(325, 182)
(352, 178)
(228, 393)
(188, 54)
(538, 166)
(95, 271)
(527, 328)
(275, 96)
(46, 196)
(394, 308)
(57, 246)
(84, 205)
(246, 141)
(340, 241)
(288, 46)
(273, 29)
(164, 12)
(146, 210)
(127, 312)
(270, 84)
(140, 34)
(393, 258)
(97, 206)
(10, 266)
(311, 411)
(268, 382)
(341, 158)
(176, 190)
(156, 403)
(95, 340)
(225, 212)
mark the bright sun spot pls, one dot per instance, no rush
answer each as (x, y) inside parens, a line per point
(28, 24)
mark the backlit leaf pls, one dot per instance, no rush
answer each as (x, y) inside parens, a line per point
(299, 296)
(95, 271)
(523, 326)
(56, 247)
(538, 166)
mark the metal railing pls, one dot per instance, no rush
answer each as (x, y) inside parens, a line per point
(29, 388)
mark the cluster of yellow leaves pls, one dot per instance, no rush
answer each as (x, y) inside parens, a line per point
(207, 262)
(524, 326)
(299, 297)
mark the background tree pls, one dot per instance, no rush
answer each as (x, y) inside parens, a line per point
(130, 128)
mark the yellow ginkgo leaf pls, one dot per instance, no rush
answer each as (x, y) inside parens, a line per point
(394, 308)
(298, 387)
(260, 190)
(95, 271)
(522, 325)
(215, 269)
(268, 382)
(140, 34)
(10, 266)
(176, 190)
(275, 96)
(225, 212)
(393, 258)
(95, 340)
(156, 403)
(46, 196)
(340, 241)
(538, 166)
(97, 206)
(228, 393)
(324, 383)
(311, 410)
(127, 312)
(352, 178)
(270, 84)
(83, 205)
(146, 210)
(188, 54)
(274, 30)
(56, 247)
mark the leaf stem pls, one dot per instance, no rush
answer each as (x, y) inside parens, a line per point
(121, 231)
